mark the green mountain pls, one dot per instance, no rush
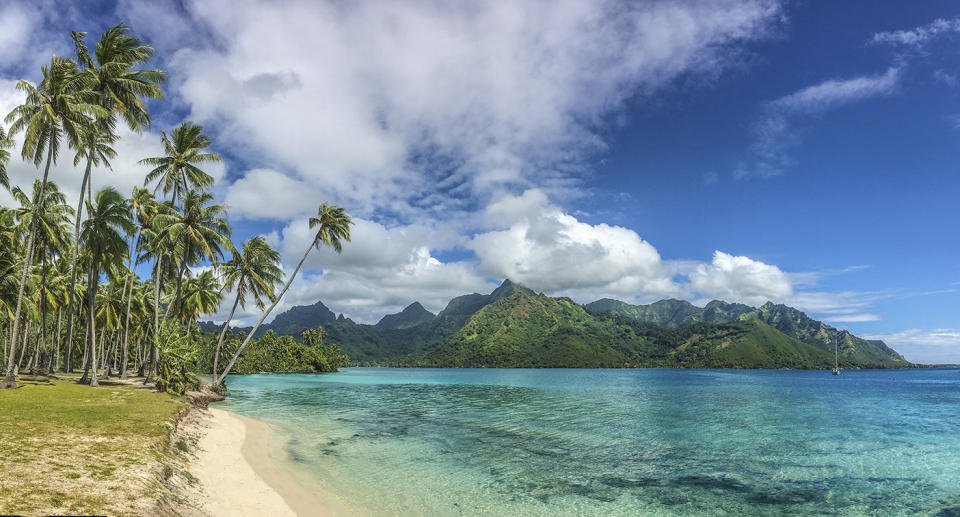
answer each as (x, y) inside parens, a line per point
(538, 331)
(387, 341)
(789, 321)
(291, 322)
(515, 327)
(413, 315)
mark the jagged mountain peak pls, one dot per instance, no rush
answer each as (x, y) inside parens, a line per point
(508, 287)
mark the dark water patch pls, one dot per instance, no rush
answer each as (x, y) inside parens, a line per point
(720, 482)
(641, 482)
(786, 497)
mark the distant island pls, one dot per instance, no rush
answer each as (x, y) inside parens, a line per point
(515, 327)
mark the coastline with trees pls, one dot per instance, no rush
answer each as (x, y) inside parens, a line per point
(100, 295)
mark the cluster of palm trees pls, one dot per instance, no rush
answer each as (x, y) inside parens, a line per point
(70, 294)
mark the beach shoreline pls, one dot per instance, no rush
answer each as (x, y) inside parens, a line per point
(238, 475)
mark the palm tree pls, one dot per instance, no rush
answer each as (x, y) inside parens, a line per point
(255, 271)
(333, 227)
(176, 171)
(111, 73)
(143, 206)
(95, 147)
(156, 245)
(52, 234)
(104, 235)
(201, 295)
(60, 106)
(5, 143)
(198, 232)
(52, 216)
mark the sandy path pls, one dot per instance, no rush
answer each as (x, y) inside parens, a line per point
(240, 478)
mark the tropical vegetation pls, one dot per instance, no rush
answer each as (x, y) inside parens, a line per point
(117, 284)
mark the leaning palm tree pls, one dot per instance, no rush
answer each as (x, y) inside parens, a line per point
(111, 70)
(176, 171)
(104, 235)
(254, 271)
(61, 105)
(333, 227)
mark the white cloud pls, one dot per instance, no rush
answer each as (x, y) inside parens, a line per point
(532, 241)
(774, 135)
(546, 249)
(832, 93)
(380, 271)
(17, 23)
(940, 346)
(919, 36)
(740, 279)
(387, 104)
(268, 194)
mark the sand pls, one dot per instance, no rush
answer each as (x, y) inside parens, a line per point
(239, 477)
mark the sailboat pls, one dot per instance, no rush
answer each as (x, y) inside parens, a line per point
(836, 357)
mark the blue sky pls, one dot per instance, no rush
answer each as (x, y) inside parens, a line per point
(747, 150)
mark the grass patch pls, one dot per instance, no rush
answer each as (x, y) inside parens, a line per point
(106, 438)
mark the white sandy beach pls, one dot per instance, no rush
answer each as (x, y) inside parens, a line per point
(240, 478)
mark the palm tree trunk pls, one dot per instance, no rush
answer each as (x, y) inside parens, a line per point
(86, 354)
(55, 356)
(223, 332)
(126, 327)
(156, 320)
(183, 268)
(102, 350)
(10, 380)
(26, 342)
(219, 380)
(92, 320)
(68, 366)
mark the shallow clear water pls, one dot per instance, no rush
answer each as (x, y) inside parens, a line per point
(619, 442)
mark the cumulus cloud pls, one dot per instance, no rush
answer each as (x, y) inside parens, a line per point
(740, 279)
(380, 271)
(774, 134)
(388, 104)
(539, 245)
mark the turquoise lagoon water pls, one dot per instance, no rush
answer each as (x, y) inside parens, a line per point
(618, 442)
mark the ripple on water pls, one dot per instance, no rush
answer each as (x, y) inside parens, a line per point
(620, 442)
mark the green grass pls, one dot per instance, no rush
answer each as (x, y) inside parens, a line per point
(70, 448)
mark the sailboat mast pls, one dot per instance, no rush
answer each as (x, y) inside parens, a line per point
(836, 354)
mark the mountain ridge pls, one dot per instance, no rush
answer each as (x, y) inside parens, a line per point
(597, 333)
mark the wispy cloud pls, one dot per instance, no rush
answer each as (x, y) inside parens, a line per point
(918, 36)
(932, 347)
(853, 318)
(775, 135)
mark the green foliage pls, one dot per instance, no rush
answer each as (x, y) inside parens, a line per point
(177, 358)
(272, 353)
